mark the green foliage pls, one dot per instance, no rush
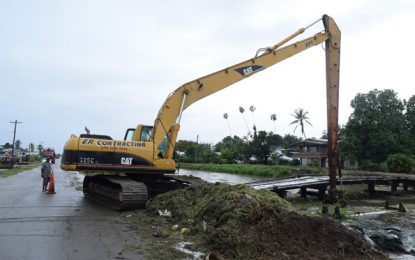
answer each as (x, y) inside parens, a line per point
(400, 163)
(8, 145)
(300, 118)
(232, 149)
(195, 152)
(32, 158)
(18, 169)
(289, 140)
(222, 215)
(295, 162)
(376, 128)
(261, 144)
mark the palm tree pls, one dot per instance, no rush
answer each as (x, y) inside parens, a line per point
(274, 118)
(242, 110)
(17, 144)
(252, 109)
(229, 126)
(31, 147)
(300, 118)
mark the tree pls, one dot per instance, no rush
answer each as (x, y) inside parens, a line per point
(18, 144)
(410, 121)
(274, 119)
(262, 143)
(205, 153)
(229, 126)
(242, 110)
(31, 147)
(300, 118)
(376, 128)
(7, 145)
(289, 140)
(252, 109)
(232, 149)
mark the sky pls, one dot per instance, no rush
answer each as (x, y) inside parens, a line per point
(109, 65)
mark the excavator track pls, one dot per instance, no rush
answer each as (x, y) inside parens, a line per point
(120, 193)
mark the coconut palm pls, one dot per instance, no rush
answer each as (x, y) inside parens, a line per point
(252, 109)
(242, 110)
(31, 147)
(18, 144)
(300, 118)
(229, 126)
(274, 118)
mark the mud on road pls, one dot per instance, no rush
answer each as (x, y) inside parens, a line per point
(65, 225)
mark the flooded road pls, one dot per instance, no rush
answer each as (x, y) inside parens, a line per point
(35, 225)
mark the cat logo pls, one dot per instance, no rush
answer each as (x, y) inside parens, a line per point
(249, 70)
(127, 161)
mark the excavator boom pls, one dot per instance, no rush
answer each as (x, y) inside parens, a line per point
(147, 151)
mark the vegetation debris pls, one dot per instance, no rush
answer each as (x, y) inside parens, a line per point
(238, 222)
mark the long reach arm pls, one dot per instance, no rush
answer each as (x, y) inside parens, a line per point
(123, 173)
(168, 119)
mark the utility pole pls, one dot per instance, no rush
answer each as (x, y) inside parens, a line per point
(14, 138)
(197, 141)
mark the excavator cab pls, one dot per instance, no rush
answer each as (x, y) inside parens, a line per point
(140, 133)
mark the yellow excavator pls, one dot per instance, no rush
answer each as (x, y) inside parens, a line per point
(124, 173)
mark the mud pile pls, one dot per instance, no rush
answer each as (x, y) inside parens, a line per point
(237, 222)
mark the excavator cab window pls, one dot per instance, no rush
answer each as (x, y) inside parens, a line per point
(162, 147)
(146, 133)
(129, 134)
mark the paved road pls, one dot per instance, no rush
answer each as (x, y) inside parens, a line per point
(35, 225)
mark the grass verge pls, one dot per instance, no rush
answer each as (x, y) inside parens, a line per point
(276, 171)
(18, 169)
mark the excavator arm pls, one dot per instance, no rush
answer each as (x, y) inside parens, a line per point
(146, 153)
(123, 173)
(166, 125)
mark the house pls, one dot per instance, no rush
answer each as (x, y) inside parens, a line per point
(311, 151)
(281, 154)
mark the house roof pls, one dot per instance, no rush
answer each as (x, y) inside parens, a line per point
(311, 141)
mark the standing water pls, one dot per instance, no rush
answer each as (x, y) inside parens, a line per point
(213, 177)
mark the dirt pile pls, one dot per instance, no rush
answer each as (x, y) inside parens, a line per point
(237, 222)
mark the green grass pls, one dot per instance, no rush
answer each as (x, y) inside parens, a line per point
(276, 171)
(19, 169)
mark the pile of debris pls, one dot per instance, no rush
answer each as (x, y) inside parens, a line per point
(238, 222)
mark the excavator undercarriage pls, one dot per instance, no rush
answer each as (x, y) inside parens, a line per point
(123, 192)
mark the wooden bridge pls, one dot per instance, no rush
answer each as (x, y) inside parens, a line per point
(317, 185)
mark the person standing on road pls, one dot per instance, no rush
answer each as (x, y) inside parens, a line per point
(46, 169)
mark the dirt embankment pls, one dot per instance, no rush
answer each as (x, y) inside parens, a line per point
(237, 222)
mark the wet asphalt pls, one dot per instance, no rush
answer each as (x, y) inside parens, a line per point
(65, 225)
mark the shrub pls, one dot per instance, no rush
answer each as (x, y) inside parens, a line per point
(368, 165)
(295, 162)
(400, 163)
